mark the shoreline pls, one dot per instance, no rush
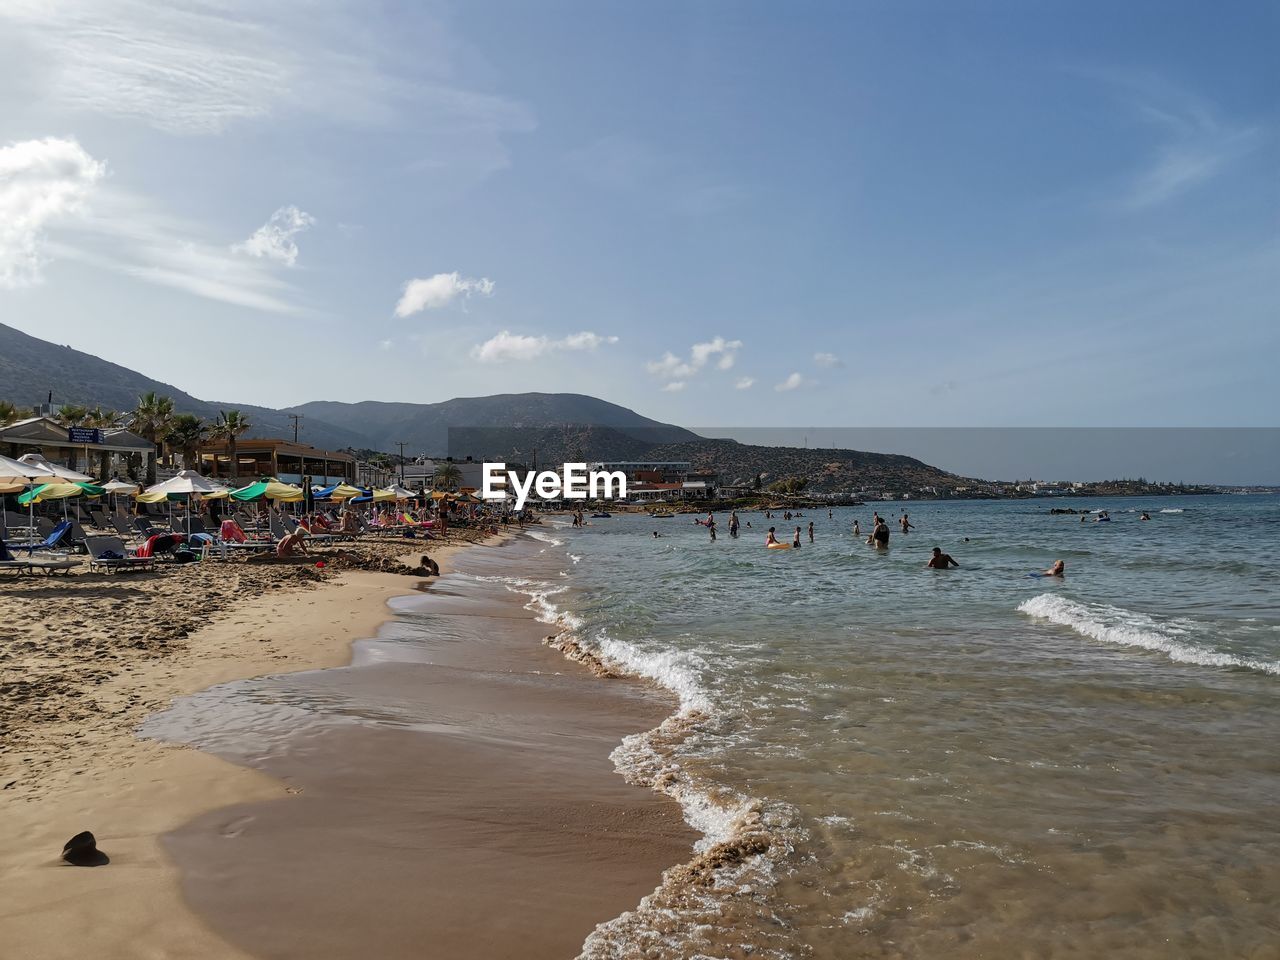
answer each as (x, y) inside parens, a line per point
(129, 791)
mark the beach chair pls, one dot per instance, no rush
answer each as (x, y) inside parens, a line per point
(144, 526)
(56, 537)
(77, 532)
(110, 554)
(30, 567)
(99, 519)
(292, 525)
(121, 526)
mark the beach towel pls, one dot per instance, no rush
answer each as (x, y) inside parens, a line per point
(230, 530)
(160, 543)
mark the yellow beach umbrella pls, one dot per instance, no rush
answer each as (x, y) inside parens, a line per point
(344, 491)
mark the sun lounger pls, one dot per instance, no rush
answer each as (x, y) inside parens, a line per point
(110, 554)
(99, 519)
(47, 567)
(56, 538)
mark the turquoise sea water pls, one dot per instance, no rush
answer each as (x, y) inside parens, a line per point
(963, 763)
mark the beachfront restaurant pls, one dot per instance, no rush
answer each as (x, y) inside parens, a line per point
(287, 460)
(79, 448)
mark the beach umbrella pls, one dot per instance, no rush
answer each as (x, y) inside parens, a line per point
(61, 473)
(16, 474)
(271, 489)
(59, 491)
(181, 486)
(380, 496)
(115, 486)
(401, 493)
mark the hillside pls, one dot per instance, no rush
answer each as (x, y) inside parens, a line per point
(424, 427)
(520, 428)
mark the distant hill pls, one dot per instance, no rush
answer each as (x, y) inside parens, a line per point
(31, 368)
(517, 427)
(493, 423)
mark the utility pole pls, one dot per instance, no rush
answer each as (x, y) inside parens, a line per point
(401, 445)
(295, 417)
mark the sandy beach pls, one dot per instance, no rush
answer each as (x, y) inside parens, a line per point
(88, 658)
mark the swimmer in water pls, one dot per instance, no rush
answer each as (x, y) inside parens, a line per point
(795, 541)
(811, 531)
(1145, 516)
(857, 530)
(880, 535)
(941, 561)
(733, 523)
(1059, 569)
(906, 524)
(770, 538)
(656, 534)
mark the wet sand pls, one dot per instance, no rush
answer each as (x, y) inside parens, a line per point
(83, 660)
(449, 793)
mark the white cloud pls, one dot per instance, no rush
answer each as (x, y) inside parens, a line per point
(671, 367)
(791, 383)
(432, 293)
(675, 386)
(384, 345)
(745, 383)
(193, 67)
(1195, 141)
(827, 360)
(506, 346)
(42, 183)
(274, 239)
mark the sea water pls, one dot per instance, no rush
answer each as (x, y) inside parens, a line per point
(886, 760)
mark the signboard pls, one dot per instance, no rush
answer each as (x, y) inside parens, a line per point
(84, 435)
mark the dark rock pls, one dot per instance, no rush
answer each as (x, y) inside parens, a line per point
(82, 851)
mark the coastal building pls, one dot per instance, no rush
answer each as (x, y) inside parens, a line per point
(647, 471)
(286, 459)
(79, 448)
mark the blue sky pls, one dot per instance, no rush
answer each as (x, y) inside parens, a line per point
(839, 214)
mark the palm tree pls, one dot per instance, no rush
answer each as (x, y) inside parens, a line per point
(447, 477)
(71, 415)
(230, 426)
(186, 433)
(8, 413)
(151, 418)
(102, 420)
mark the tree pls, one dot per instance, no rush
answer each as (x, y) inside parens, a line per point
(447, 477)
(151, 419)
(186, 433)
(9, 413)
(102, 420)
(231, 425)
(71, 415)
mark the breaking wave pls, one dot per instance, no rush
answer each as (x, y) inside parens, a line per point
(1109, 624)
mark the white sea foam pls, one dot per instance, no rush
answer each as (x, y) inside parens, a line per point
(546, 538)
(1172, 510)
(1110, 624)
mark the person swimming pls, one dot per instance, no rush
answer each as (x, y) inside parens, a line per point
(811, 531)
(941, 561)
(857, 530)
(1145, 516)
(795, 541)
(906, 524)
(880, 535)
(1059, 569)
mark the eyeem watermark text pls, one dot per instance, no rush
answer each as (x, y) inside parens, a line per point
(574, 482)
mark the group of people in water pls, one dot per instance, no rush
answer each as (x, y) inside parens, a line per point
(877, 538)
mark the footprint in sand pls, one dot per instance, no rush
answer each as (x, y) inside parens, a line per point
(235, 827)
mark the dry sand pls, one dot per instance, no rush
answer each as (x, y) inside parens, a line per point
(82, 661)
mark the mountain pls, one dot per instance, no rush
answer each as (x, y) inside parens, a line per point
(493, 423)
(498, 425)
(31, 368)
(550, 428)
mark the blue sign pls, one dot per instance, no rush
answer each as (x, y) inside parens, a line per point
(84, 435)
